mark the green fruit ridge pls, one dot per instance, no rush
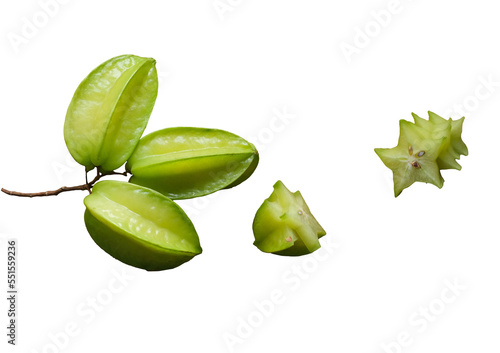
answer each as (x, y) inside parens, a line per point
(187, 162)
(110, 110)
(284, 225)
(139, 226)
(424, 148)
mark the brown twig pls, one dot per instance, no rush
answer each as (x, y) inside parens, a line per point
(87, 186)
(46, 193)
(125, 173)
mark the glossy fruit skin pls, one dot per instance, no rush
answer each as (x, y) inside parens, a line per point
(139, 226)
(110, 110)
(187, 162)
(284, 224)
(424, 148)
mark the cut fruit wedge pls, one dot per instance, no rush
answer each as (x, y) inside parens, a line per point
(139, 226)
(284, 225)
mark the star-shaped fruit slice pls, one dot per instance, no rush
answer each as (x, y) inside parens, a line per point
(414, 159)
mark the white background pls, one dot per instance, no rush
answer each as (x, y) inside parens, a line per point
(383, 259)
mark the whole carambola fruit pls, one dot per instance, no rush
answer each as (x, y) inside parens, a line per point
(139, 226)
(424, 149)
(187, 162)
(284, 225)
(109, 111)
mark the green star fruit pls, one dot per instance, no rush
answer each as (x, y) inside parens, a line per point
(424, 149)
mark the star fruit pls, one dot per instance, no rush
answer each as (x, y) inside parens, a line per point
(284, 224)
(424, 149)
